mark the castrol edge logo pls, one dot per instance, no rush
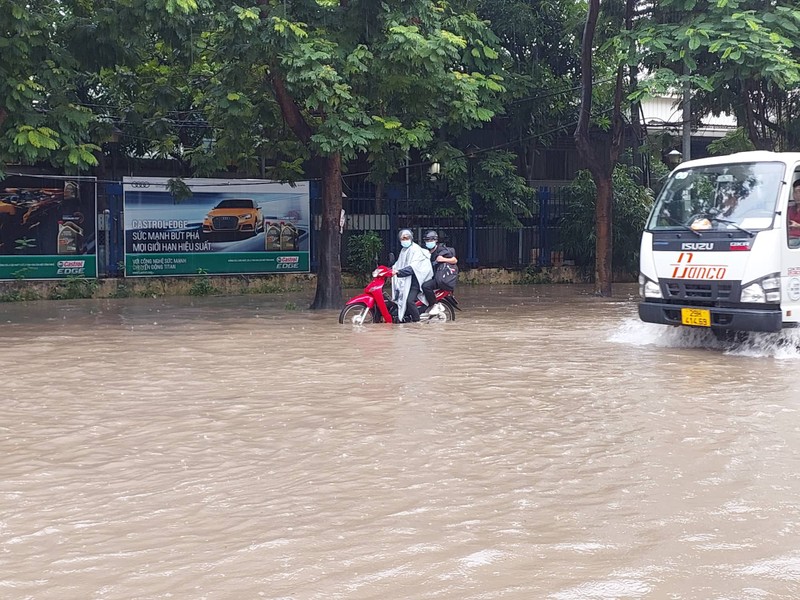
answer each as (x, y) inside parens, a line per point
(71, 267)
(686, 268)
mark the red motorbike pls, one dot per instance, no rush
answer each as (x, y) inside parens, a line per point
(375, 306)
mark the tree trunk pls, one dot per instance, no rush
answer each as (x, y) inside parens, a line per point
(750, 122)
(599, 156)
(603, 270)
(635, 107)
(329, 272)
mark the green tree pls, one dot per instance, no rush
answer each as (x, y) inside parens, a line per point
(734, 141)
(41, 117)
(347, 77)
(489, 183)
(541, 42)
(600, 149)
(73, 71)
(632, 204)
(737, 56)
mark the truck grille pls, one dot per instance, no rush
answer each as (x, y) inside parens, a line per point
(709, 292)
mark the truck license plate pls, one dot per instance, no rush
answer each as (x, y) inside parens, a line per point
(699, 317)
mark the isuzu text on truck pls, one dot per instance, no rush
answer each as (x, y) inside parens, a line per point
(719, 250)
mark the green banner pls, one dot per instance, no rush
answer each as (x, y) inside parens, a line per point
(220, 262)
(47, 267)
(242, 226)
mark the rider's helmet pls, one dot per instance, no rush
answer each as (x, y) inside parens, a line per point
(431, 236)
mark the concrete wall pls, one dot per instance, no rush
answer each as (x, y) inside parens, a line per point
(13, 291)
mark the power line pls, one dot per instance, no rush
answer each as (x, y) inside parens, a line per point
(552, 93)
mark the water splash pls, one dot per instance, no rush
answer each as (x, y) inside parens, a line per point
(781, 345)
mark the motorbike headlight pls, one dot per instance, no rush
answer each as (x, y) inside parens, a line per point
(766, 290)
(649, 288)
(375, 272)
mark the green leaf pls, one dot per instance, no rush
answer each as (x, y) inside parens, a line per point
(42, 137)
(453, 39)
(184, 6)
(484, 114)
(388, 123)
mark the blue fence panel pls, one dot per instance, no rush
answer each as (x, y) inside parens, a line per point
(475, 243)
(111, 250)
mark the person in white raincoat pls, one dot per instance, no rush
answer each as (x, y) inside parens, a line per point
(412, 269)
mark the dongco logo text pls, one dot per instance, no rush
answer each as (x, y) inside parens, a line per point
(685, 269)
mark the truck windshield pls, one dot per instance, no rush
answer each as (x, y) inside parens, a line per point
(739, 196)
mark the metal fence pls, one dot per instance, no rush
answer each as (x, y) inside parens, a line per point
(477, 244)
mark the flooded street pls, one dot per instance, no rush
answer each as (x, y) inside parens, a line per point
(545, 445)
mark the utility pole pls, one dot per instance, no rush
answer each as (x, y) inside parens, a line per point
(687, 116)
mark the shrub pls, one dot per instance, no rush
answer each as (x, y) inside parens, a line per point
(73, 288)
(202, 285)
(632, 203)
(363, 252)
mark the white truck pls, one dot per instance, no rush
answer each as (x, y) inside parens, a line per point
(719, 250)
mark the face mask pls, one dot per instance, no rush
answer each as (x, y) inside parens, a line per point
(405, 243)
(430, 245)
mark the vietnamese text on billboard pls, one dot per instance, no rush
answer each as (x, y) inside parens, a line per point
(225, 227)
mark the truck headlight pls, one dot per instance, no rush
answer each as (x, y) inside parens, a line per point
(766, 290)
(649, 288)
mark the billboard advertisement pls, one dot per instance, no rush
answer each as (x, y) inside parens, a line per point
(48, 227)
(236, 226)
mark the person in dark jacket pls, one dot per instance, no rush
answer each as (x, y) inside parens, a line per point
(440, 254)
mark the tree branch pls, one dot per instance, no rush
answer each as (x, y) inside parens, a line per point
(289, 109)
(581, 134)
(618, 124)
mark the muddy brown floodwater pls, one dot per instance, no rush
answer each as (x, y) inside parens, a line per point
(546, 445)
